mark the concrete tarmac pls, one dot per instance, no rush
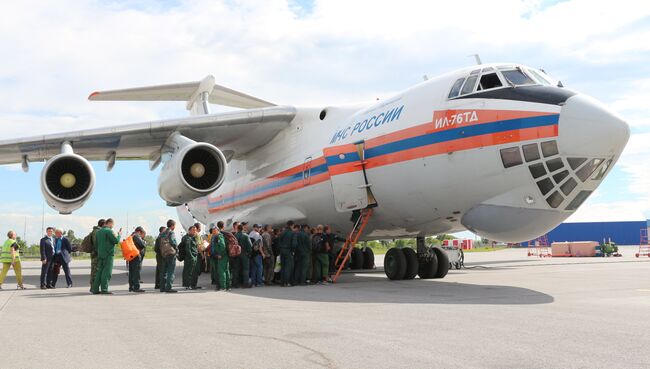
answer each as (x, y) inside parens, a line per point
(506, 310)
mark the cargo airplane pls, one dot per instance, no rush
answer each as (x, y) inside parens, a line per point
(502, 150)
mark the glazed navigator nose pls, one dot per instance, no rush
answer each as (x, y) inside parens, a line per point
(589, 129)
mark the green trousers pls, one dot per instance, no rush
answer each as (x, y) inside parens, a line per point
(104, 272)
(223, 273)
(93, 268)
(169, 265)
(240, 271)
(190, 271)
(159, 270)
(214, 275)
(321, 267)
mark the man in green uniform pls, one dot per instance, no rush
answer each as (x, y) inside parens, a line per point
(320, 251)
(106, 241)
(287, 249)
(302, 256)
(240, 268)
(159, 258)
(191, 262)
(169, 262)
(93, 251)
(10, 257)
(220, 261)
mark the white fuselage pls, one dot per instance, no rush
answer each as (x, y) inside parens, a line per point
(433, 164)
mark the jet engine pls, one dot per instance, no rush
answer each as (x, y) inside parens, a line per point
(195, 169)
(67, 181)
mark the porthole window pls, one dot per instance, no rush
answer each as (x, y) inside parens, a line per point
(555, 199)
(554, 164)
(531, 152)
(549, 148)
(568, 186)
(511, 157)
(588, 169)
(574, 163)
(575, 203)
(545, 185)
(560, 176)
(323, 114)
(537, 170)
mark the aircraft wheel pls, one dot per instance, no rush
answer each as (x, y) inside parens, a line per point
(356, 259)
(368, 258)
(443, 263)
(411, 263)
(428, 267)
(395, 264)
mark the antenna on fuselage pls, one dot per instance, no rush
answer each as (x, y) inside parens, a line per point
(425, 77)
(477, 58)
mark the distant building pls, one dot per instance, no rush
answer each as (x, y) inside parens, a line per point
(623, 233)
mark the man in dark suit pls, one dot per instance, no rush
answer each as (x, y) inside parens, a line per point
(62, 256)
(47, 257)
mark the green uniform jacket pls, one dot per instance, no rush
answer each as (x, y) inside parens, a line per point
(221, 248)
(287, 241)
(303, 241)
(106, 242)
(189, 243)
(93, 243)
(245, 242)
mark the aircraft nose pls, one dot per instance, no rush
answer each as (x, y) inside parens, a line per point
(589, 129)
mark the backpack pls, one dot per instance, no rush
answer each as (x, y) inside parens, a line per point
(234, 249)
(166, 248)
(87, 243)
(317, 244)
(181, 250)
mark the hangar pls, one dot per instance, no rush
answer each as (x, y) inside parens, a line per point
(623, 233)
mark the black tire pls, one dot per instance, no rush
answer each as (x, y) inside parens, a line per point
(443, 263)
(356, 259)
(368, 258)
(395, 264)
(412, 264)
(427, 268)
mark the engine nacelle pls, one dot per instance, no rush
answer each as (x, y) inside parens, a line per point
(194, 170)
(67, 181)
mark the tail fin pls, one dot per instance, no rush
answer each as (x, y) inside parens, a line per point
(196, 94)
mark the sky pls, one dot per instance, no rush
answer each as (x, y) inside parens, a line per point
(304, 53)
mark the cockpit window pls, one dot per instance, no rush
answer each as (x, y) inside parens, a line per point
(538, 77)
(517, 77)
(469, 85)
(488, 81)
(455, 89)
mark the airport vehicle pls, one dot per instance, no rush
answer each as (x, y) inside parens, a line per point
(500, 149)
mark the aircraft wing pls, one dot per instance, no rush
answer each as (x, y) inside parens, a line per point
(235, 133)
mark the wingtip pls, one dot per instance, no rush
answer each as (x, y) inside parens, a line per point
(90, 97)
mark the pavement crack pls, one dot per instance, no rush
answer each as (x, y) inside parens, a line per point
(328, 363)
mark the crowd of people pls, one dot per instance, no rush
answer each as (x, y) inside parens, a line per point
(241, 257)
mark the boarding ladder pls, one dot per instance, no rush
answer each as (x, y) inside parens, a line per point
(351, 241)
(539, 247)
(644, 246)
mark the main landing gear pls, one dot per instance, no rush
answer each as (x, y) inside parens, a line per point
(405, 263)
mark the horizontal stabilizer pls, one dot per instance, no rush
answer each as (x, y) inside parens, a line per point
(188, 92)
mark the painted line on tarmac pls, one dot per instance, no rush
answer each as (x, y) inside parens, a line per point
(7, 302)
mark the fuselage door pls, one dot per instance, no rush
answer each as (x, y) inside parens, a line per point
(346, 167)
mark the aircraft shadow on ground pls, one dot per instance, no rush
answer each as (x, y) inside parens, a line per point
(355, 288)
